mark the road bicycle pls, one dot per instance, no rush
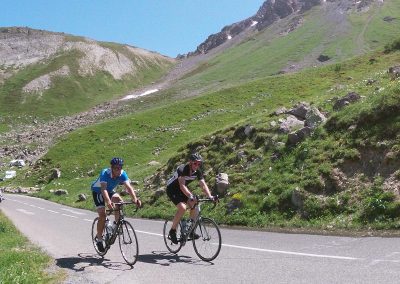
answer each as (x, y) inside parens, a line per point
(203, 232)
(128, 243)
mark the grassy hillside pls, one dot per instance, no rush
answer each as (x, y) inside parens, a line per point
(345, 175)
(263, 185)
(333, 31)
(76, 92)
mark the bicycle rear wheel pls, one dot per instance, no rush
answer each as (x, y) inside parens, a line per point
(94, 233)
(128, 243)
(208, 245)
(174, 248)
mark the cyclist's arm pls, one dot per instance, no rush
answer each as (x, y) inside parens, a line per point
(129, 188)
(205, 188)
(183, 187)
(106, 197)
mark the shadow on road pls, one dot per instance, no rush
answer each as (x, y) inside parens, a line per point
(83, 261)
(164, 258)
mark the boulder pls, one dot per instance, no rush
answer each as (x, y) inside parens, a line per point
(298, 136)
(314, 117)
(346, 100)
(222, 183)
(300, 110)
(290, 123)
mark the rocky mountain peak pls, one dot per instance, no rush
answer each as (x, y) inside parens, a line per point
(270, 12)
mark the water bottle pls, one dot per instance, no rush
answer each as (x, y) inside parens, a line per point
(189, 225)
(109, 229)
(184, 226)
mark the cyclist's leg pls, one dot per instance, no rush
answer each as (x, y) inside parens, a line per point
(179, 199)
(101, 210)
(115, 198)
(181, 208)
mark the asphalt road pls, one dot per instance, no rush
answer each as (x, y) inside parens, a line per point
(246, 256)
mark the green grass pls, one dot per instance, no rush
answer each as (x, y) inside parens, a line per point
(71, 94)
(237, 89)
(173, 130)
(20, 261)
(269, 52)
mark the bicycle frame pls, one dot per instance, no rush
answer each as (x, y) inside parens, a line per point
(111, 240)
(196, 222)
(204, 234)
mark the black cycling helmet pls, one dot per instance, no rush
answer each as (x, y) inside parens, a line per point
(117, 162)
(196, 157)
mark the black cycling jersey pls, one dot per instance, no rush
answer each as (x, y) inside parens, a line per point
(183, 170)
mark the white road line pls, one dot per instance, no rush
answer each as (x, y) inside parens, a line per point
(34, 206)
(73, 211)
(87, 220)
(148, 233)
(53, 211)
(26, 212)
(69, 215)
(273, 251)
(293, 253)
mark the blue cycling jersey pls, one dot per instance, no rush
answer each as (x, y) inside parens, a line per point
(105, 176)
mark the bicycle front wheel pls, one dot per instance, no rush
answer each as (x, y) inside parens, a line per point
(207, 243)
(128, 243)
(174, 248)
(94, 233)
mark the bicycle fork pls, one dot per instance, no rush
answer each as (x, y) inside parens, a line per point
(203, 232)
(126, 238)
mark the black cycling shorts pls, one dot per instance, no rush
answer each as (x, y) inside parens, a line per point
(99, 200)
(176, 196)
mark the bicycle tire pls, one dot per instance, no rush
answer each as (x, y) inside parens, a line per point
(208, 245)
(128, 243)
(94, 233)
(174, 248)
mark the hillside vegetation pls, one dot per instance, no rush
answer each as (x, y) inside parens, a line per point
(345, 175)
(45, 75)
(335, 30)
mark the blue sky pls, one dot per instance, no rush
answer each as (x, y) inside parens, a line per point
(170, 27)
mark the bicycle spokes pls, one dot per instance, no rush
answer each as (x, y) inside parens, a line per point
(127, 239)
(128, 243)
(204, 232)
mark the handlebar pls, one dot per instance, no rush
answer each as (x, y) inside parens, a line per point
(109, 211)
(198, 199)
(215, 200)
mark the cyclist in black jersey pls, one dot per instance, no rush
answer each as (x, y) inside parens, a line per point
(180, 194)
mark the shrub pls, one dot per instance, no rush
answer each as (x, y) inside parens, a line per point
(392, 46)
(313, 208)
(270, 203)
(378, 205)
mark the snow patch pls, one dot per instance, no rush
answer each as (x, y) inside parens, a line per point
(148, 92)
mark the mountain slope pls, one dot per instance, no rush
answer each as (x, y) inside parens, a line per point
(62, 74)
(326, 180)
(327, 33)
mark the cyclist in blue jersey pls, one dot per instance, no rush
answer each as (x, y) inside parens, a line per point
(104, 194)
(179, 193)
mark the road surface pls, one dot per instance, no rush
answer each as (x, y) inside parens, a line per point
(246, 256)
